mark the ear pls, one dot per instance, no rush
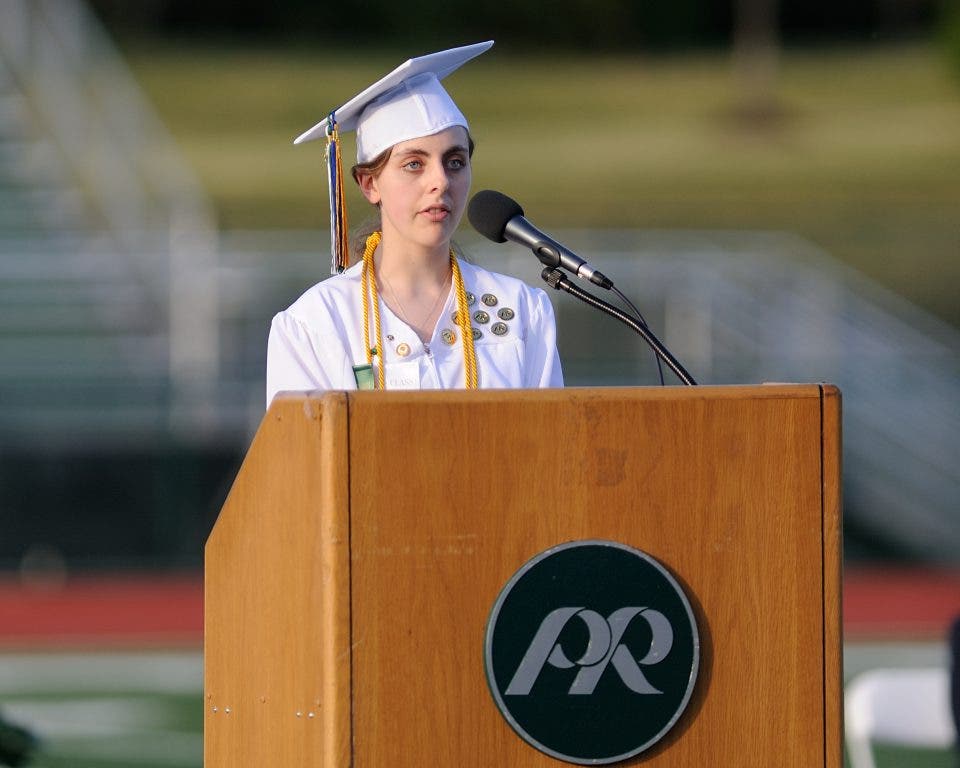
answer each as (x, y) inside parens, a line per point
(369, 188)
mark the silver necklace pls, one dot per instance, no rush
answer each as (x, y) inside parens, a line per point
(403, 314)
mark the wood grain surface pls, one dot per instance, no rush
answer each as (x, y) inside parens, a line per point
(355, 563)
(276, 632)
(722, 485)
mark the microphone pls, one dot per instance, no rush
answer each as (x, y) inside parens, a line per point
(500, 218)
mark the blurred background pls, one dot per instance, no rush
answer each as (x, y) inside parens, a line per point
(775, 184)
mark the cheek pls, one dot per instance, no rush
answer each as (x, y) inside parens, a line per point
(461, 181)
(391, 194)
(398, 201)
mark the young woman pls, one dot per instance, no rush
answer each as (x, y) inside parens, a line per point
(410, 314)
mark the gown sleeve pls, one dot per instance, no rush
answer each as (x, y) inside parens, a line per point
(296, 361)
(541, 356)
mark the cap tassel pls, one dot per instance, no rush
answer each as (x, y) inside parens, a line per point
(339, 231)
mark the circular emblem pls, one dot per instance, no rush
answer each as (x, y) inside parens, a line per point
(592, 652)
(499, 329)
(471, 299)
(477, 333)
(403, 349)
(481, 316)
(505, 314)
(489, 299)
(448, 336)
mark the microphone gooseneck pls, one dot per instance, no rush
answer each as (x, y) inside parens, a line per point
(558, 281)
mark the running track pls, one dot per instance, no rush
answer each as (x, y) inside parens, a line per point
(163, 611)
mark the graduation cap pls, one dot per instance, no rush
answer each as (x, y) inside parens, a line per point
(408, 103)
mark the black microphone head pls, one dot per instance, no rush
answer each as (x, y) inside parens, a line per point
(489, 212)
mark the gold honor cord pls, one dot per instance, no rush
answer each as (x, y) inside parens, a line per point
(368, 285)
(368, 289)
(463, 321)
(339, 231)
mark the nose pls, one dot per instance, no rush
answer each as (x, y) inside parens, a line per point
(438, 179)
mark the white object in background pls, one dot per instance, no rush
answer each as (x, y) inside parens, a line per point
(906, 707)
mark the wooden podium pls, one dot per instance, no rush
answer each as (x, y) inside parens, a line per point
(353, 567)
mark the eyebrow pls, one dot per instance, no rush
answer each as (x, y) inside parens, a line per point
(423, 153)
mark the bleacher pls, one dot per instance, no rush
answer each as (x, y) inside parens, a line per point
(104, 232)
(126, 319)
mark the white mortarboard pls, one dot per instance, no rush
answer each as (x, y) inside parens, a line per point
(406, 104)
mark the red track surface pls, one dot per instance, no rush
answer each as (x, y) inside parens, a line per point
(150, 610)
(894, 603)
(115, 610)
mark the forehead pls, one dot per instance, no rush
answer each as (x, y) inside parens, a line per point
(437, 143)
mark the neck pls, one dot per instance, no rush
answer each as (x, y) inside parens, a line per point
(413, 269)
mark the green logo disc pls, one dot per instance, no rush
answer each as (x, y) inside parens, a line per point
(592, 652)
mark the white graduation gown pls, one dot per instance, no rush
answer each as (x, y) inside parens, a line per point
(315, 343)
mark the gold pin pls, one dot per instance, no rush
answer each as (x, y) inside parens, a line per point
(481, 317)
(505, 313)
(448, 336)
(403, 349)
(489, 299)
(499, 329)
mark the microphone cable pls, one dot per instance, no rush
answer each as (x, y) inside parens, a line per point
(643, 320)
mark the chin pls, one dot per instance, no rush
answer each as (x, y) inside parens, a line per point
(440, 236)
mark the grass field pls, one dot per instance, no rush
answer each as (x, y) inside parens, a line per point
(144, 709)
(106, 710)
(860, 151)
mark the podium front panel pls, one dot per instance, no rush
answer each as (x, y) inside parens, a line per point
(450, 496)
(352, 571)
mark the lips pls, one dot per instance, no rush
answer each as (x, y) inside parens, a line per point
(437, 212)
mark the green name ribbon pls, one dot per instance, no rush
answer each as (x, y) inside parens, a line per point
(364, 376)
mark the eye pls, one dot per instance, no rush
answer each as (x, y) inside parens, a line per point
(413, 165)
(456, 163)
